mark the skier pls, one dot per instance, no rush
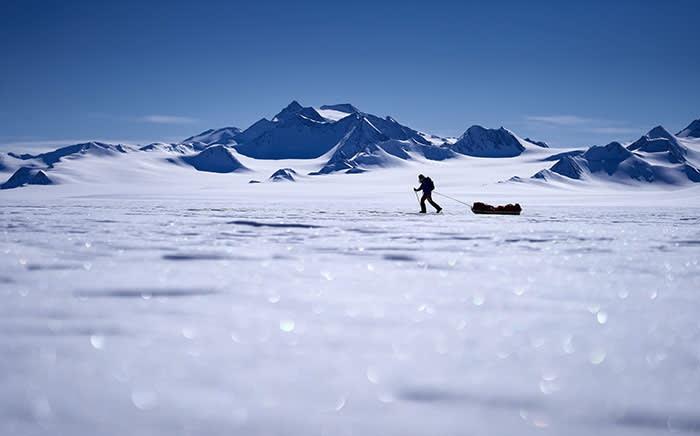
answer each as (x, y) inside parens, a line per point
(427, 186)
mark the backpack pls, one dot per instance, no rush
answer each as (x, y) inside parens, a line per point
(429, 185)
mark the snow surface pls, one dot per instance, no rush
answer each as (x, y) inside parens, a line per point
(146, 298)
(162, 292)
(332, 115)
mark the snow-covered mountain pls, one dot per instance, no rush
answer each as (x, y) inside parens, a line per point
(283, 175)
(75, 151)
(659, 143)
(342, 138)
(657, 156)
(538, 143)
(26, 176)
(9, 163)
(215, 159)
(692, 131)
(480, 142)
(173, 148)
(351, 138)
(258, 128)
(225, 135)
(294, 133)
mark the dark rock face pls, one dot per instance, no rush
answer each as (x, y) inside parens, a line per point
(27, 176)
(283, 175)
(215, 159)
(692, 131)
(659, 141)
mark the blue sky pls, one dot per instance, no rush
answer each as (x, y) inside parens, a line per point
(570, 74)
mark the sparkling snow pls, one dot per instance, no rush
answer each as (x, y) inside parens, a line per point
(202, 305)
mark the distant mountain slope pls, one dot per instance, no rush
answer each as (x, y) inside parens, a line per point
(537, 143)
(295, 137)
(258, 128)
(371, 141)
(26, 176)
(173, 148)
(352, 136)
(299, 132)
(215, 159)
(657, 157)
(225, 135)
(661, 143)
(76, 150)
(692, 131)
(283, 175)
(10, 163)
(341, 138)
(343, 107)
(480, 142)
(288, 112)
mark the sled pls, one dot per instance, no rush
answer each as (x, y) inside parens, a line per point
(494, 212)
(487, 209)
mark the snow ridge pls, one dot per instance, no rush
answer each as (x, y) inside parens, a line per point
(75, 151)
(345, 139)
(655, 157)
(225, 135)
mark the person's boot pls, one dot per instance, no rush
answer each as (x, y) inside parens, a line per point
(439, 209)
(422, 211)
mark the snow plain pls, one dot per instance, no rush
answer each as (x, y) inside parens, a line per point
(144, 301)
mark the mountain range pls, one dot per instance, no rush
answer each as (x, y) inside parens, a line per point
(342, 138)
(658, 156)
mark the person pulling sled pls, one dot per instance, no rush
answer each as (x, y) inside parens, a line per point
(427, 186)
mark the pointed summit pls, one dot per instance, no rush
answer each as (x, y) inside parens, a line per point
(27, 176)
(692, 131)
(292, 109)
(258, 128)
(659, 132)
(659, 140)
(613, 152)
